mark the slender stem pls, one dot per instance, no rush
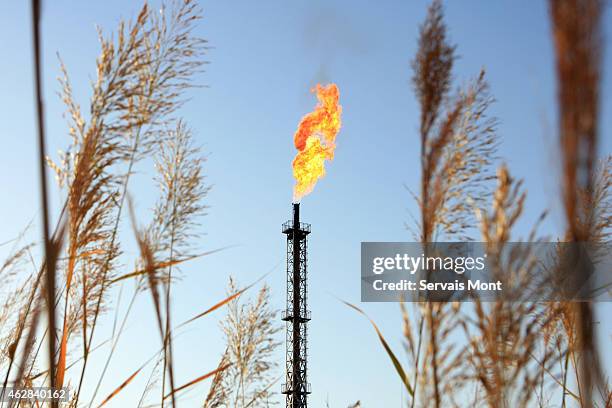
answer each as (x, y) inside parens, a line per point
(49, 250)
(565, 378)
(432, 319)
(167, 338)
(113, 346)
(416, 363)
(576, 366)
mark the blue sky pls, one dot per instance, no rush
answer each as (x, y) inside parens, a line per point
(265, 57)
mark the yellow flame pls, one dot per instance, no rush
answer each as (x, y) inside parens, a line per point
(315, 140)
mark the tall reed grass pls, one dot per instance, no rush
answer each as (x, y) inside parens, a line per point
(512, 353)
(494, 354)
(142, 72)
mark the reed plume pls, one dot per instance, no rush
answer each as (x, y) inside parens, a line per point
(182, 190)
(250, 334)
(504, 336)
(458, 144)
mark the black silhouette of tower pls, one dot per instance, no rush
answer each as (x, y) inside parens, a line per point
(296, 387)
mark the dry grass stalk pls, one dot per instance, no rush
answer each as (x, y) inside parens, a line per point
(140, 77)
(51, 253)
(458, 142)
(150, 266)
(505, 335)
(250, 333)
(120, 387)
(199, 379)
(577, 34)
(181, 183)
(152, 381)
(564, 327)
(578, 40)
(458, 139)
(170, 234)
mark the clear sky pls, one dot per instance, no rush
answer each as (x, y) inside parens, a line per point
(265, 57)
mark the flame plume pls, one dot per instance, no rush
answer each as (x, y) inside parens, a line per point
(315, 140)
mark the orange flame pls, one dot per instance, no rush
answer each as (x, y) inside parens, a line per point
(315, 140)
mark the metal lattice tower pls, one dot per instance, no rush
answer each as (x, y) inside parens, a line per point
(296, 387)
